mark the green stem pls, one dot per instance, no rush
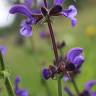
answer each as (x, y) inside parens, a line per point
(5, 75)
(9, 86)
(75, 86)
(54, 48)
(59, 87)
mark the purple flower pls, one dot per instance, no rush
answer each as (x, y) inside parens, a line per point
(26, 25)
(75, 56)
(89, 85)
(75, 59)
(44, 35)
(88, 89)
(18, 91)
(3, 49)
(70, 13)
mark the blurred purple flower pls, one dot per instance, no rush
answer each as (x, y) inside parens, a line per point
(18, 91)
(89, 85)
(3, 49)
(88, 89)
(44, 35)
(45, 73)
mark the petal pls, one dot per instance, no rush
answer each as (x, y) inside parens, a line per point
(90, 84)
(26, 29)
(22, 92)
(73, 21)
(66, 78)
(18, 91)
(28, 2)
(21, 9)
(73, 11)
(73, 53)
(93, 94)
(16, 84)
(78, 60)
(36, 11)
(45, 73)
(58, 2)
(3, 49)
(44, 35)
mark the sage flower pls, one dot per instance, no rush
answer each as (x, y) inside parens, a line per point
(18, 90)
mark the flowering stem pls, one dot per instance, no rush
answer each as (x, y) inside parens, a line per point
(54, 48)
(53, 39)
(5, 75)
(55, 53)
(75, 86)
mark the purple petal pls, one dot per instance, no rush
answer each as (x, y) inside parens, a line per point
(73, 11)
(93, 94)
(26, 29)
(22, 92)
(21, 9)
(73, 21)
(18, 91)
(36, 11)
(3, 49)
(44, 35)
(66, 78)
(72, 55)
(28, 2)
(16, 83)
(90, 84)
(45, 73)
(78, 60)
(58, 2)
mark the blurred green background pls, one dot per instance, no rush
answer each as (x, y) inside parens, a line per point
(27, 56)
